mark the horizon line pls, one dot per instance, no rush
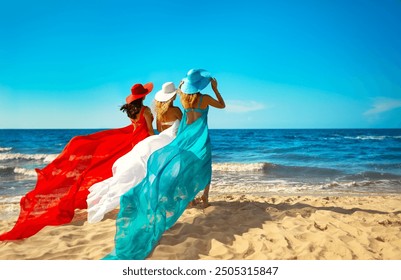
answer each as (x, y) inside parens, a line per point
(72, 128)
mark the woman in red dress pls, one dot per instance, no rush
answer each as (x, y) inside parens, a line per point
(62, 186)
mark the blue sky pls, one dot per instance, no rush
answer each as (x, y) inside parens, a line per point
(279, 64)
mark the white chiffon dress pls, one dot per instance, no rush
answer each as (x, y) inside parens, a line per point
(128, 171)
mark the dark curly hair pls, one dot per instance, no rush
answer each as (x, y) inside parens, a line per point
(133, 108)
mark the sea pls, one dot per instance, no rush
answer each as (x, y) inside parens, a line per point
(249, 161)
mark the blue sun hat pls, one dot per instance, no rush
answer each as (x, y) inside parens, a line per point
(195, 81)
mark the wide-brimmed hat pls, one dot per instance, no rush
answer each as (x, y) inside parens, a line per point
(195, 81)
(139, 91)
(167, 92)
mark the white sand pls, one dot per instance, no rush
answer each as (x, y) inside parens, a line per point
(241, 227)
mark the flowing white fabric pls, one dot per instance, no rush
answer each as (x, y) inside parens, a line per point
(128, 171)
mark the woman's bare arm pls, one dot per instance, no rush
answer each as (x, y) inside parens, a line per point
(158, 126)
(149, 119)
(208, 100)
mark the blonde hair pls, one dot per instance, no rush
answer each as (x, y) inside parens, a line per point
(161, 108)
(188, 100)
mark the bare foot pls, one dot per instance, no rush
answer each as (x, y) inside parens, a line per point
(205, 201)
(193, 203)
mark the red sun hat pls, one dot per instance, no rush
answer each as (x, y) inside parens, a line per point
(139, 91)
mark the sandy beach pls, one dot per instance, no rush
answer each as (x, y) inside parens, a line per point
(241, 227)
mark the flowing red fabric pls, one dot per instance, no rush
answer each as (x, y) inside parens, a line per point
(62, 186)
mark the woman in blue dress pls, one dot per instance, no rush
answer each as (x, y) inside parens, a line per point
(176, 174)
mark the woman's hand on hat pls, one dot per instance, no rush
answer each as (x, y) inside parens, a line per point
(213, 82)
(181, 83)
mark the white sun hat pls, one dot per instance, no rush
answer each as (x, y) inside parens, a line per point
(166, 93)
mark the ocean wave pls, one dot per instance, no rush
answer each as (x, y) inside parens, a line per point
(276, 170)
(372, 137)
(50, 157)
(10, 199)
(6, 171)
(363, 186)
(6, 149)
(24, 171)
(18, 156)
(9, 207)
(306, 188)
(294, 171)
(371, 175)
(240, 167)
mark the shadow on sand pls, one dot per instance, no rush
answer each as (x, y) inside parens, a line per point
(222, 222)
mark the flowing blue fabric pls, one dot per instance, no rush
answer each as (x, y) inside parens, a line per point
(176, 173)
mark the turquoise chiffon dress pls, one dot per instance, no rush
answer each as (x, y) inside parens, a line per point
(176, 173)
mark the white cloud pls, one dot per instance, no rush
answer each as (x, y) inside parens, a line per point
(243, 106)
(382, 105)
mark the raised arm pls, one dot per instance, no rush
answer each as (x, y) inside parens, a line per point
(208, 100)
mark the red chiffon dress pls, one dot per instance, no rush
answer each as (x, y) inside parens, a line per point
(62, 186)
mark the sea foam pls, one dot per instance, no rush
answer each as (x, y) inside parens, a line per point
(25, 172)
(240, 167)
(19, 156)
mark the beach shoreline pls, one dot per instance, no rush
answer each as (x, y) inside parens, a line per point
(240, 226)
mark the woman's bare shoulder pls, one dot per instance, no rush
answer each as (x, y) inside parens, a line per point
(147, 111)
(178, 113)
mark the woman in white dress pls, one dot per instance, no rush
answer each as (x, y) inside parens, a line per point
(131, 168)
